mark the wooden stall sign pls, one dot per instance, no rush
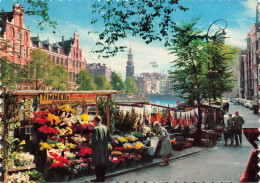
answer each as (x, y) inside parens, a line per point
(66, 97)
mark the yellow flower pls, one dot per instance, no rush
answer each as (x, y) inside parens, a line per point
(110, 147)
(122, 139)
(45, 145)
(116, 152)
(84, 117)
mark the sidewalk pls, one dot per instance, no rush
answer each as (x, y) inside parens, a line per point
(156, 161)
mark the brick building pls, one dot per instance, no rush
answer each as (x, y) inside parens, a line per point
(20, 44)
(99, 69)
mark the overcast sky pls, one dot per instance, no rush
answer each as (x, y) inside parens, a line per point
(75, 15)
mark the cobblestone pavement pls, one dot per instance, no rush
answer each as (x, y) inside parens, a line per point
(219, 163)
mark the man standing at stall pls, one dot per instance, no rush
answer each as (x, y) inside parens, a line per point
(99, 144)
(238, 122)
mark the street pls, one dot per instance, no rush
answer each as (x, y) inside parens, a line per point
(219, 163)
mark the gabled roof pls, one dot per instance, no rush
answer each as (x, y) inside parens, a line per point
(66, 45)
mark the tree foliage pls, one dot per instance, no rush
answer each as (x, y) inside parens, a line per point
(8, 75)
(150, 20)
(117, 81)
(39, 9)
(85, 81)
(102, 83)
(60, 78)
(130, 85)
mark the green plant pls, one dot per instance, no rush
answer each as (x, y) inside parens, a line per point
(35, 176)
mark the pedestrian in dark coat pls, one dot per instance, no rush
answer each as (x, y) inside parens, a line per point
(227, 106)
(238, 122)
(226, 135)
(99, 144)
(230, 127)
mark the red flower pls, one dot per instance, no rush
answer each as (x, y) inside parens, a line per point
(85, 151)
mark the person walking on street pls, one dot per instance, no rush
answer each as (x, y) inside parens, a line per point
(166, 148)
(227, 106)
(99, 144)
(230, 127)
(238, 122)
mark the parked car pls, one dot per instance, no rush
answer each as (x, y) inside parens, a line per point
(236, 101)
(248, 104)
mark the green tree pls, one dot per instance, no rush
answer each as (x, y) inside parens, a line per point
(8, 75)
(85, 81)
(117, 81)
(220, 59)
(189, 67)
(150, 20)
(130, 85)
(60, 78)
(102, 83)
(39, 68)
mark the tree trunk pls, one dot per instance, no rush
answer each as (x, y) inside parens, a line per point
(197, 138)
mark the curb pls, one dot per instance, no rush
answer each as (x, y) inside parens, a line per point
(140, 167)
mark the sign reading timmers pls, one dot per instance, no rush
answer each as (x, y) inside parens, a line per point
(66, 97)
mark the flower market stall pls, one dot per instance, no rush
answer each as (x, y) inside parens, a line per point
(47, 134)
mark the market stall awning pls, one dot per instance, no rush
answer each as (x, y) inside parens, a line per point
(37, 92)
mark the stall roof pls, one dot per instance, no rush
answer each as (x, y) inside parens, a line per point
(36, 92)
(132, 100)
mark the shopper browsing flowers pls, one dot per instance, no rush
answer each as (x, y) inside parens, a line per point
(166, 148)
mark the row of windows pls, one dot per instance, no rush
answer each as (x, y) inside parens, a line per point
(17, 50)
(62, 61)
(72, 77)
(19, 35)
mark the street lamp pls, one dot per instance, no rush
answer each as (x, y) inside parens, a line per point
(209, 73)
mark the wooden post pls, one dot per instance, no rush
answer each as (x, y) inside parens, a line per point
(108, 113)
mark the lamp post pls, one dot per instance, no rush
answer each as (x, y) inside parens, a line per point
(209, 73)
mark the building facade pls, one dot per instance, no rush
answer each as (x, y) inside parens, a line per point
(249, 66)
(99, 69)
(20, 44)
(130, 68)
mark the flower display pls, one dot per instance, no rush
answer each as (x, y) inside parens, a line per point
(131, 138)
(67, 109)
(18, 177)
(84, 117)
(48, 130)
(55, 111)
(114, 159)
(122, 139)
(22, 158)
(70, 145)
(116, 152)
(60, 146)
(118, 149)
(59, 162)
(138, 145)
(40, 118)
(44, 145)
(54, 120)
(85, 151)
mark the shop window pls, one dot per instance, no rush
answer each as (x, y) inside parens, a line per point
(57, 60)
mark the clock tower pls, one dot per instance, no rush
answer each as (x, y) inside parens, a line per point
(130, 68)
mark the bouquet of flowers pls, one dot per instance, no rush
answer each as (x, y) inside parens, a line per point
(23, 158)
(55, 111)
(54, 120)
(18, 177)
(84, 117)
(48, 130)
(40, 118)
(44, 145)
(85, 151)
